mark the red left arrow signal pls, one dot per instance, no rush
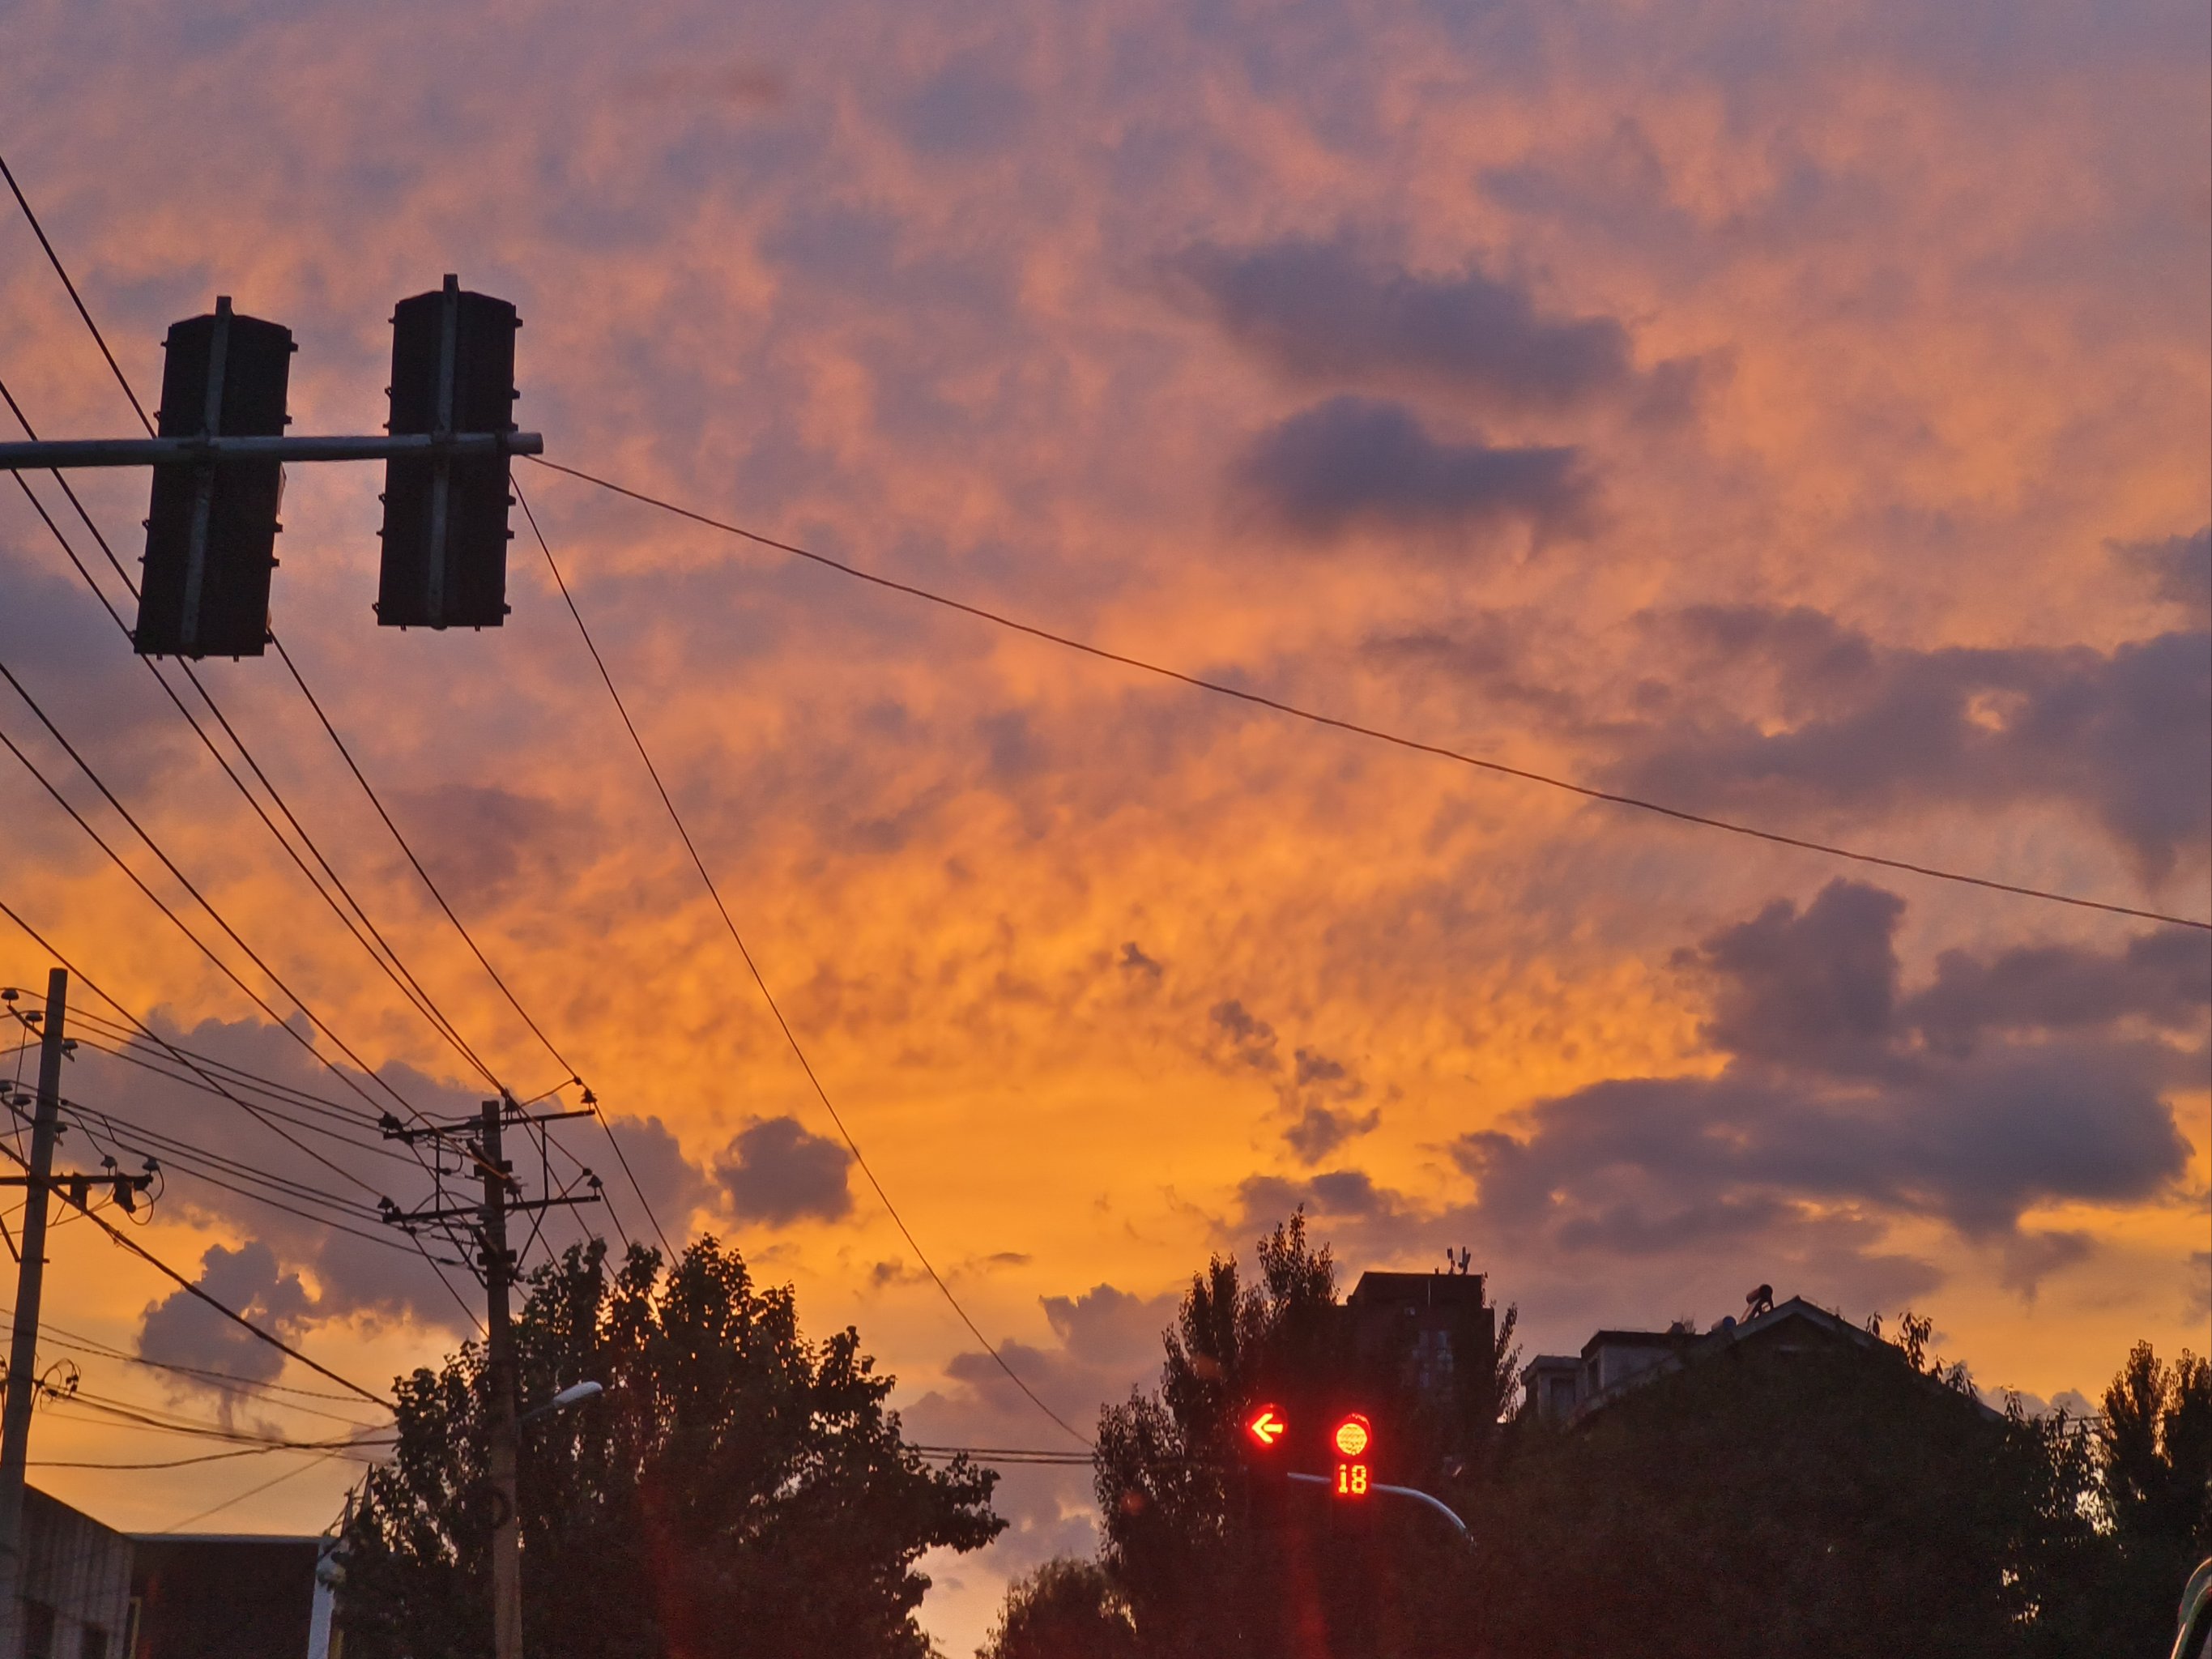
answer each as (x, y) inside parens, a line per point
(1266, 1427)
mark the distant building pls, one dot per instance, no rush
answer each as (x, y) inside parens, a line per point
(1441, 1322)
(75, 1583)
(1566, 1388)
(223, 1596)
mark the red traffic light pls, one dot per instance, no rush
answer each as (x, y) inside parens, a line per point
(1353, 1436)
(1266, 1427)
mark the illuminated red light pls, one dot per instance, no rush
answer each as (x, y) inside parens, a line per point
(1353, 1435)
(1266, 1427)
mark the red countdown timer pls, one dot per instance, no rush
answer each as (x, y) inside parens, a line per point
(1354, 1436)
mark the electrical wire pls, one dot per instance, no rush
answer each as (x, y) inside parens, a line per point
(1438, 751)
(373, 942)
(78, 1341)
(166, 1464)
(45, 944)
(375, 1148)
(396, 968)
(790, 1037)
(250, 1492)
(237, 1318)
(30, 766)
(232, 1314)
(55, 259)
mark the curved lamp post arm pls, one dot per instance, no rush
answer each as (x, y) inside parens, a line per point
(1413, 1493)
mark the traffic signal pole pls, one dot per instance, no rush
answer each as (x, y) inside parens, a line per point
(23, 1343)
(1413, 1493)
(70, 453)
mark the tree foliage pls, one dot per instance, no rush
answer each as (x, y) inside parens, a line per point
(737, 1489)
(2156, 1483)
(1066, 1609)
(1829, 1496)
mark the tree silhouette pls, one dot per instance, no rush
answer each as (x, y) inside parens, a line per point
(737, 1490)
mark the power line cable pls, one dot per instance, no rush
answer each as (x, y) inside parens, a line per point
(396, 969)
(768, 996)
(1218, 688)
(123, 380)
(99, 840)
(76, 1340)
(232, 1314)
(55, 259)
(376, 1148)
(250, 1492)
(45, 944)
(236, 1318)
(166, 1464)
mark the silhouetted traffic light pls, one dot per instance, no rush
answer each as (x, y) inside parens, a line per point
(211, 530)
(445, 517)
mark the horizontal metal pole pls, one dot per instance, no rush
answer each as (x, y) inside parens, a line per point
(69, 452)
(1413, 1493)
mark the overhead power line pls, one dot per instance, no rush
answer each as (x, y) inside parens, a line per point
(55, 259)
(1437, 751)
(373, 942)
(790, 1037)
(77, 1341)
(237, 1318)
(227, 1312)
(151, 1035)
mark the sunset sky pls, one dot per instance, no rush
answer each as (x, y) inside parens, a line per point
(1796, 415)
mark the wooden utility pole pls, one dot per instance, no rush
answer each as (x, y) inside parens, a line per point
(500, 1398)
(477, 1144)
(24, 1344)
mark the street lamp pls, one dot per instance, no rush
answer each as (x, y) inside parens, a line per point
(574, 1394)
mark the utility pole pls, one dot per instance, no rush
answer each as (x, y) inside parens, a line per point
(499, 1388)
(477, 1144)
(24, 1344)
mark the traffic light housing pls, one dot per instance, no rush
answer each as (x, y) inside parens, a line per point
(211, 530)
(445, 517)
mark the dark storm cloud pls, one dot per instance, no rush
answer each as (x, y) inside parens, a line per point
(1816, 990)
(1831, 1097)
(776, 1172)
(1322, 312)
(2163, 980)
(1353, 461)
(333, 1150)
(2180, 571)
(1636, 1164)
(673, 1185)
(1334, 1194)
(183, 1330)
(2125, 736)
(1108, 1327)
(1320, 1130)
